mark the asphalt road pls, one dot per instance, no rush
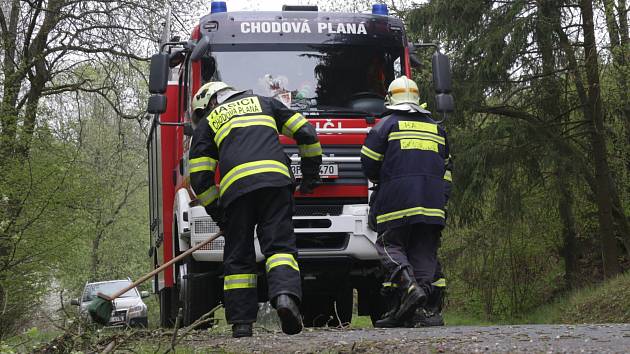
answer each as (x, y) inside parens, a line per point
(587, 338)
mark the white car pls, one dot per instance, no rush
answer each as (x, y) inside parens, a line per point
(129, 309)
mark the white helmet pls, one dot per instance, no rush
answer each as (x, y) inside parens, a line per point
(205, 93)
(402, 90)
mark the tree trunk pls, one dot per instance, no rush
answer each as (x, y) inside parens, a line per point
(94, 258)
(553, 107)
(11, 85)
(618, 36)
(565, 206)
(610, 251)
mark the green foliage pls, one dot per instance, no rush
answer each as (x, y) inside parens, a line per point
(608, 302)
(523, 175)
(82, 209)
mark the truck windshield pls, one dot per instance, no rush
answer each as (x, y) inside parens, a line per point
(307, 77)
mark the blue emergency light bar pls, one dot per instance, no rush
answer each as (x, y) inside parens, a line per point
(217, 7)
(380, 9)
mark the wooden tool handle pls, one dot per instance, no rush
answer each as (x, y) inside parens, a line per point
(162, 267)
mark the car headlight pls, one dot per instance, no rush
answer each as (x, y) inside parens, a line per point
(139, 310)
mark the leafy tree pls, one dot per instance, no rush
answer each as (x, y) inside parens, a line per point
(527, 124)
(69, 72)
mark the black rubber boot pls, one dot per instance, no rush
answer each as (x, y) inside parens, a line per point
(240, 330)
(426, 318)
(289, 313)
(412, 296)
(389, 319)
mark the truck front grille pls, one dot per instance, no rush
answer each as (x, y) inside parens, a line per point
(205, 226)
(216, 245)
(318, 210)
(322, 241)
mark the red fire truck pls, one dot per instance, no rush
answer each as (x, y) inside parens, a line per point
(334, 68)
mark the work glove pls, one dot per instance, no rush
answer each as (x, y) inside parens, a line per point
(310, 174)
(308, 183)
(218, 215)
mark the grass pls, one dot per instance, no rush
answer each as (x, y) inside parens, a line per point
(608, 302)
(27, 341)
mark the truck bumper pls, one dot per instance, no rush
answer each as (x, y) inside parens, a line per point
(345, 235)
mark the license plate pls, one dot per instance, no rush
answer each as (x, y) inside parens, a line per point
(327, 170)
(117, 319)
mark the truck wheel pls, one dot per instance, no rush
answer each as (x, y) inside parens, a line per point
(315, 309)
(342, 302)
(319, 309)
(198, 292)
(166, 308)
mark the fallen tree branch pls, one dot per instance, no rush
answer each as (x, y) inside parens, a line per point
(201, 321)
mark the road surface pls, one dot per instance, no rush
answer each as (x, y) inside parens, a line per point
(587, 338)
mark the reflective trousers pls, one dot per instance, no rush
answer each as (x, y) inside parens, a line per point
(270, 211)
(413, 247)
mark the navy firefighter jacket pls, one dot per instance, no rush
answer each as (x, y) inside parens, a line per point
(407, 155)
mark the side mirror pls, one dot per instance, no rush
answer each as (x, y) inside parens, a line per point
(144, 294)
(158, 76)
(75, 302)
(200, 49)
(441, 73)
(442, 83)
(157, 104)
(444, 103)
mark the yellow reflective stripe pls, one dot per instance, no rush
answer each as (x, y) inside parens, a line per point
(279, 259)
(250, 168)
(371, 153)
(210, 195)
(293, 124)
(417, 144)
(202, 164)
(410, 212)
(390, 285)
(310, 150)
(239, 281)
(424, 105)
(416, 135)
(448, 176)
(242, 122)
(404, 89)
(440, 283)
(420, 126)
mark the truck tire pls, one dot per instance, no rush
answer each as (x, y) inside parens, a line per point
(315, 310)
(198, 292)
(166, 308)
(341, 307)
(318, 309)
(378, 306)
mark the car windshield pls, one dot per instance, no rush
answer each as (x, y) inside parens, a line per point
(307, 76)
(108, 288)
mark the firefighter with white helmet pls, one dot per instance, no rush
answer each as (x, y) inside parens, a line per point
(407, 155)
(237, 131)
(201, 99)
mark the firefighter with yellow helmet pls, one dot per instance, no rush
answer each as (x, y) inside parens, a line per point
(237, 132)
(407, 155)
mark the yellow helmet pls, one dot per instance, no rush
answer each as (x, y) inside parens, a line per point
(402, 90)
(205, 93)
